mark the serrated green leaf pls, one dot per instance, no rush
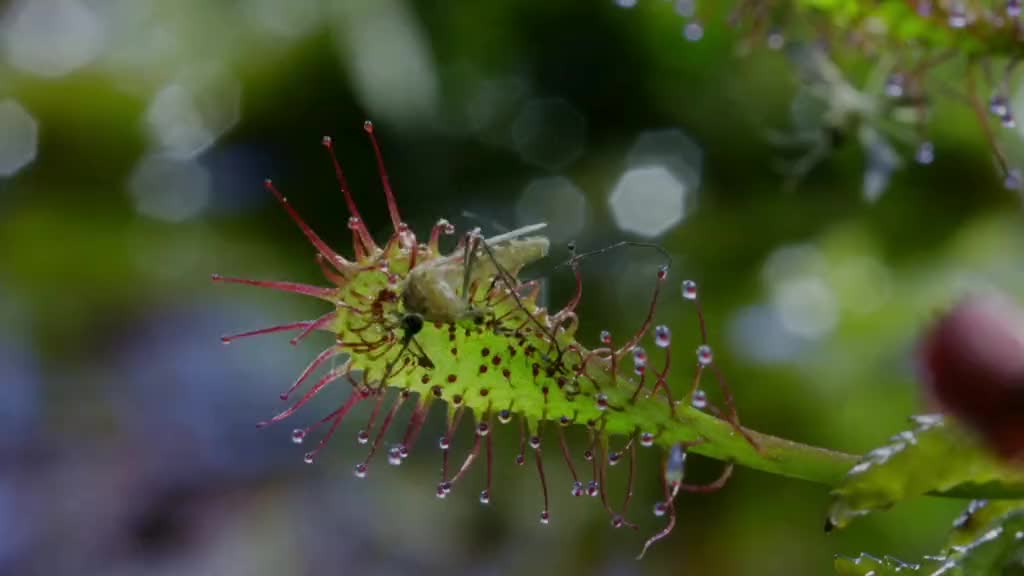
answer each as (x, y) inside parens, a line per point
(978, 518)
(868, 565)
(934, 457)
(987, 540)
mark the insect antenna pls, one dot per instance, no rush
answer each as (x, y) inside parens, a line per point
(662, 275)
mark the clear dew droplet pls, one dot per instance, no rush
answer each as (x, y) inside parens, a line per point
(704, 355)
(545, 517)
(482, 429)
(602, 401)
(660, 509)
(534, 442)
(360, 470)
(639, 359)
(577, 489)
(593, 488)
(363, 437)
(485, 497)
(443, 443)
(662, 336)
(504, 416)
(646, 439)
(689, 289)
(699, 400)
(308, 457)
(298, 435)
(606, 337)
(394, 456)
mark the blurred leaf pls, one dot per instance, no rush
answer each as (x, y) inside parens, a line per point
(866, 564)
(934, 457)
(992, 545)
(978, 517)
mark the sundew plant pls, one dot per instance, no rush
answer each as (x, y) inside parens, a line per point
(410, 322)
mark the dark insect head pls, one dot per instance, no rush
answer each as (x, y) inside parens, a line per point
(412, 323)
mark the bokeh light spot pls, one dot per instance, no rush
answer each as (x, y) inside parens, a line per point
(648, 201)
(290, 19)
(51, 37)
(19, 137)
(391, 61)
(803, 299)
(185, 118)
(170, 189)
(549, 132)
(557, 201)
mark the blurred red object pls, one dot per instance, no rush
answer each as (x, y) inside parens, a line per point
(972, 363)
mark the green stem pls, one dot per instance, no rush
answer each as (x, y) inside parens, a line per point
(793, 459)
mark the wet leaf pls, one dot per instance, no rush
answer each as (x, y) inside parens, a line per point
(987, 540)
(979, 517)
(935, 457)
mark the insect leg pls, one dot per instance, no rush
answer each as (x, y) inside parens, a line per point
(472, 239)
(511, 283)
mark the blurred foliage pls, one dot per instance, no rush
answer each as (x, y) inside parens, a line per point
(933, 457)
(986, 539)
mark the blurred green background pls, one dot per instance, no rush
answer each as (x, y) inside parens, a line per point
(134, 138)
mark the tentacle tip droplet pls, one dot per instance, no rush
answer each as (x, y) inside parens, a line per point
(327, 141)
(368, 127)
(360, 470)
